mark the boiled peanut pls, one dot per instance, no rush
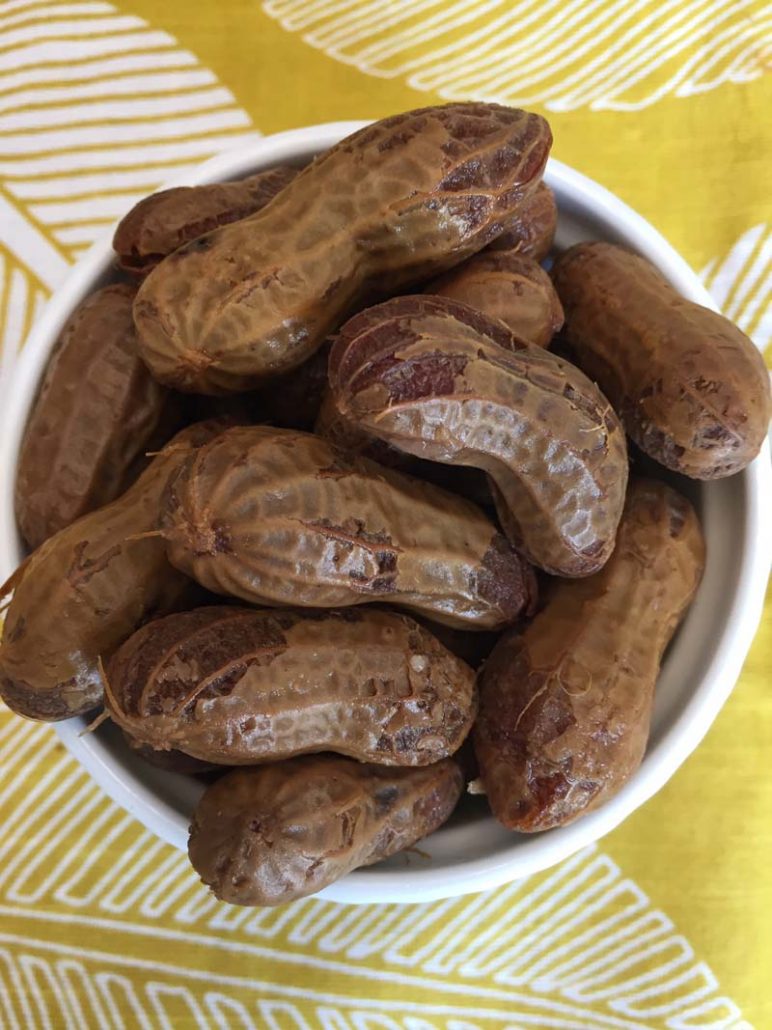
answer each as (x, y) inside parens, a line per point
(164, 221)
(281, 517)
(95, 413)
(689, 386)
(394, 203)
(345, 434)
(82, 592)
(436, 378)
(565, 706)
(268, 835)
(532, 228)
(509, 286)
(237, 686)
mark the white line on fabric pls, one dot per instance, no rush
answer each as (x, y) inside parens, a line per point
(543, 1005)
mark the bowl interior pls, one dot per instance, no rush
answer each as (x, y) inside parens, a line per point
(472, 851)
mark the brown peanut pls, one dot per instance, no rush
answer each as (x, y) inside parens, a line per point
(565, 706)
(689, 386)
(96, 411)
(281, 517)
(436, 378)
(532, 228)
(236, 686)
(82, 592)
(509, 286)
(394, 203)
(269, 835)
(164, 221)
(348, 436)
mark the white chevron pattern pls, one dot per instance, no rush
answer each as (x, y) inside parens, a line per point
(97, 109)
(741, 283)
(563, 54)
(577, 947)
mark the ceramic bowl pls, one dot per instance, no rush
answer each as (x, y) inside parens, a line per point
(472, 852)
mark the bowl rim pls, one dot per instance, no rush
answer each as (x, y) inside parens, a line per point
(530, 855)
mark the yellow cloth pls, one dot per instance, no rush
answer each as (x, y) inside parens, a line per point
(666, 922)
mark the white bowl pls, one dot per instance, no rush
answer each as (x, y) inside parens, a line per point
(472, 852)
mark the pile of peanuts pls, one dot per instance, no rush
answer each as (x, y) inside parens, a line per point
(308, 495)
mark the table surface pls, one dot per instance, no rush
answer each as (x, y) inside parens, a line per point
(665, 923)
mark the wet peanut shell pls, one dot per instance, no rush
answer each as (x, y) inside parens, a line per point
(509, 286)
(348, 436)
(690, 387)
(85, 590)
(95, 413)
(438, 379)
(399, 201)
(239, 686)
(269, 835)
(166, 220)
(532, 228)
(565, 705)
(281, 517)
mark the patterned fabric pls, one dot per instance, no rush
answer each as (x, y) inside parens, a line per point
(665, 923)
